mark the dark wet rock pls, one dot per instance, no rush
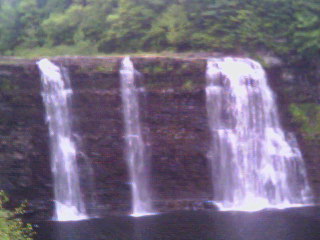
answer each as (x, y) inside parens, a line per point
(184, 204)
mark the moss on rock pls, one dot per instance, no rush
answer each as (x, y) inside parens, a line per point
(307, 116)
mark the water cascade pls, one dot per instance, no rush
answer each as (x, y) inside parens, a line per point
(135, 151)
(56, 96)
(255, 164)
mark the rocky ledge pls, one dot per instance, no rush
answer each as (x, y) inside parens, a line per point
(173, 116)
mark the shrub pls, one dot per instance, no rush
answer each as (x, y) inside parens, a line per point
(11, 227)
(307, 115)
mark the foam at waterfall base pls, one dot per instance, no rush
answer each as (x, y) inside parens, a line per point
(143, 214)
(68, 213)
(254, 204)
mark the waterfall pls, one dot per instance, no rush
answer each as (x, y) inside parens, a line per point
(56, 96)
(135, 151)
(255, 165)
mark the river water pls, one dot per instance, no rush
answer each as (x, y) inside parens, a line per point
(294, 223)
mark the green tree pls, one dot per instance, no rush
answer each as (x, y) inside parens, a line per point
(172, 28)
(29, 22)
(306, 36)
(9, 29)
(60, 28)
(53, 6)
(288, 28)
(93, 23)
(126, 26)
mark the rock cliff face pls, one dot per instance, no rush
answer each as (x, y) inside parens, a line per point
(173, 117)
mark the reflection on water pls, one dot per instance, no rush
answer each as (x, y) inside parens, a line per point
(288, 224)
(73, 231)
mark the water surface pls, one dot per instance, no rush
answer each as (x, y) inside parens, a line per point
(288, 224)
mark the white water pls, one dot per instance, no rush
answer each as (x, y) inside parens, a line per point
(255, 165)
(135, 153)
(56, 96)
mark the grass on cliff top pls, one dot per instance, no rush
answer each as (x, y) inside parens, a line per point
(86, 49)
(64, 50)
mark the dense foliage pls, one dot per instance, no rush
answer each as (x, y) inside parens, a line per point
(289, 28)
(12, 228)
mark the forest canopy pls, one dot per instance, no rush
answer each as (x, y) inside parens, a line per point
(287, 28)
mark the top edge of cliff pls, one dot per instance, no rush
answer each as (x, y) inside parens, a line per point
(266, 59)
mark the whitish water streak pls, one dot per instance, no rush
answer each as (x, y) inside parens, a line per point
(255, 165)
(56, 96)
(135, 152)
